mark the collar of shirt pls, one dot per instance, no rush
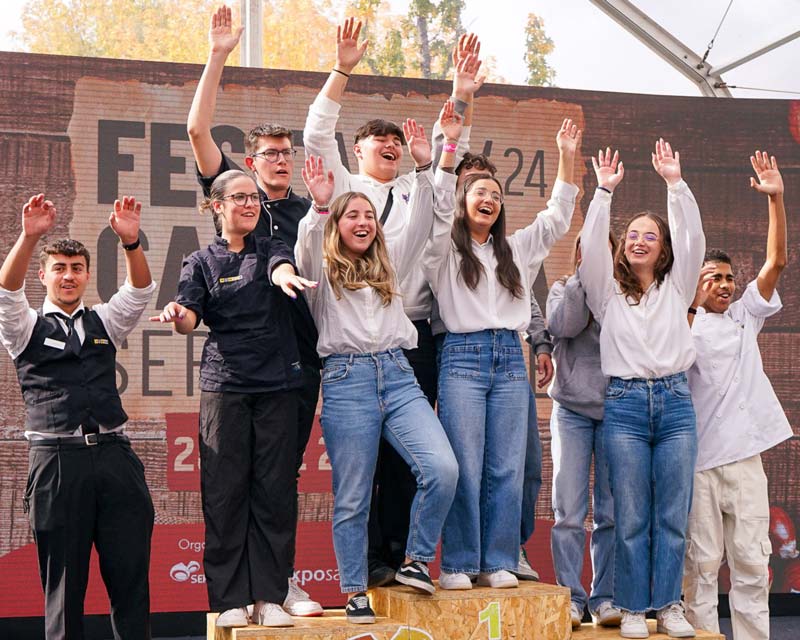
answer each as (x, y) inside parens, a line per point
(482, 245)
(265, 196)
(377, 184)
(50, 307)
(249, 244)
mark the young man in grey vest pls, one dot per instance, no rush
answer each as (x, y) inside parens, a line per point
(86, 485)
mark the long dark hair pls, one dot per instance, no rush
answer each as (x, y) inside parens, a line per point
(628, 281)
(471, 267)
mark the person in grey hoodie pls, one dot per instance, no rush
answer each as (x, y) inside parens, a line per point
(578, 391)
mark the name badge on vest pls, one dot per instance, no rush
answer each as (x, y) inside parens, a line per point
(99, 341)
(230, 279)
(56, 344)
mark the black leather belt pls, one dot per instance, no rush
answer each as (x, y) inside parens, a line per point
(87, 440)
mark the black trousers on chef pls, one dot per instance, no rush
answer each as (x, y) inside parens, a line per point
(80, 495)
(248, 448)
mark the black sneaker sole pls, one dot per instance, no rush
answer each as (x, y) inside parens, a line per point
(419, 585)
(381, 577)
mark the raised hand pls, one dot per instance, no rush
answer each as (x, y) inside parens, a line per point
(450, 122)
(467, 43)
(608, 169)
(704, 284)
(125, 219)
(418, 145)
(465, 79)
(319, 184)
(348, 51)
(568, 138)
(38, 216)
(173, 312)
(769, 177)
(667, 164)
(221, 35)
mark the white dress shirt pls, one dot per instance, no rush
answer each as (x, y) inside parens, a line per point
(319, 139)
(738, 413)
(490, 305)
(119, 316)
(651, 339)
(358, 321)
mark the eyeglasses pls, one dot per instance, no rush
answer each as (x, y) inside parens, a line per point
(480, 192)
(242, 199)
(647, 237)
(272, 155)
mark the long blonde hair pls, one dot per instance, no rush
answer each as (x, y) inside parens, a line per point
(372, 269)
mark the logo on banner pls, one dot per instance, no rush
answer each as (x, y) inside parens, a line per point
(185, 572)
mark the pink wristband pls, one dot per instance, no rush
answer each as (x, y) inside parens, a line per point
(450, 147)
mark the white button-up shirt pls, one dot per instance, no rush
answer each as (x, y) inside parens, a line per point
(358, 321)
(738, 413)
(490, 305)
(319, 139)
(651, 339)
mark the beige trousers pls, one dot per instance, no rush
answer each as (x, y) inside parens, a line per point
(730, 515)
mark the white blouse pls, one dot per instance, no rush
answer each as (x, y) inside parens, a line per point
(651, 339)
(358, 322)
(490, 305)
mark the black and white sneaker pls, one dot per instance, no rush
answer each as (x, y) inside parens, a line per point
(415, 574)
(358, 610)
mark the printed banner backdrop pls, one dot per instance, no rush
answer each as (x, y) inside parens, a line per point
(86, 131)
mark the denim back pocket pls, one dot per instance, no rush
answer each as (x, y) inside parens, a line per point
(462, 361)
(335, 372)
(616, 389)
(514, 363)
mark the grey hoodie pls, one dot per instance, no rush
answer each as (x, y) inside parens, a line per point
(579, 384)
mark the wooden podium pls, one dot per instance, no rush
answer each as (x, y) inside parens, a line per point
(534, 611)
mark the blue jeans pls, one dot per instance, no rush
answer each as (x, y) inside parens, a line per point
(532, 476)
(483, 406)
(366, 397)
(650, 441)
(576, 439)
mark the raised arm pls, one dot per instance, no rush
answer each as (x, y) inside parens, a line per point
(685, 226)
(549, 226)
(770, 182)
(222, 40)
(567, 313)
(125, 220)
(596, 269)
(348, 54)
(310, 233)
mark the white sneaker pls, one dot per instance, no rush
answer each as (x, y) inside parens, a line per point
(607, 615)
(524, 569)
(670, 620)
(633, 625)
(454, 581)
(498, 580)
(576, 614)
(298, 602)
(233, 618)
(272, 615)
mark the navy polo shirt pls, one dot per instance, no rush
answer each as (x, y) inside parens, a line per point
(251, 345)
(280, 218)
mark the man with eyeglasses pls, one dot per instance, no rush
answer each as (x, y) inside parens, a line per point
(270, 156)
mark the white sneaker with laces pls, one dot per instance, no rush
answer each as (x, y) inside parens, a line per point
(498, 580)
(633, 625)
(299, 603)
(607, 615)
(272, 615)
(454, 581)
(576, 614)
(524, 569)
(233, 618)
(670, 620)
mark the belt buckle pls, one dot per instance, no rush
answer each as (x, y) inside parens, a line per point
(91, 439)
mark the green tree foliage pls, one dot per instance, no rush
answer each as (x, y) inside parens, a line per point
(537, 47)
(432, 29)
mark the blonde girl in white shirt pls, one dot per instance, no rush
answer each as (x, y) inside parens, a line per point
(368, 387)
(640, 300)
(482, 281)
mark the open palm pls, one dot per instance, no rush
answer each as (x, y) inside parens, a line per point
(221, 35)
(38, 216)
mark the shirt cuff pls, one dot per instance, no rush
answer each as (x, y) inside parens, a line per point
(565, 191)
(13, 295)
(445, 180)
(136, 291)
(678, 187)
(326, 106)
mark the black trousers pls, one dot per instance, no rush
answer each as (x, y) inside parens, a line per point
(77, 496)
(394, 486)
(306, 411)
(248, 448)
